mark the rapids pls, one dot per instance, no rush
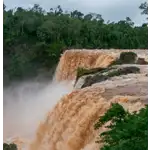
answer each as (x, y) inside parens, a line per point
(55, 116)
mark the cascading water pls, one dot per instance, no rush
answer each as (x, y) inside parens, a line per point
(54, 116)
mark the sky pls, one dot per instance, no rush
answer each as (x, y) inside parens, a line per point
(113, 10)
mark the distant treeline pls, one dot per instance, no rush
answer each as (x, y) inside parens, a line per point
(34, 39)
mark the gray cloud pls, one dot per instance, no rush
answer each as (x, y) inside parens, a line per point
(112, 10)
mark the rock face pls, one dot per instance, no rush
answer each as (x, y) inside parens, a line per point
(132, 86)
(105, 74)
(142, 61)
(128, 80)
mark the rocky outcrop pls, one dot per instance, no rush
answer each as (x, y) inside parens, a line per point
(132, 85)
(129, 58)
(104, 74)
(142, 61)
(88, 77)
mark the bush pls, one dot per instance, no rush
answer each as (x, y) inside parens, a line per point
(83, 71)
(126, 58)
(127, 131)
(9, 146)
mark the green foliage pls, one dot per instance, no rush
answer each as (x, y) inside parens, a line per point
(126, 130)
(128, 57)
(9, 146)
(35, 39)
(125, 58)
(83, 71)
(144, 7)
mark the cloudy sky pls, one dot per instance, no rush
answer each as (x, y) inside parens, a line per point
(112, 10)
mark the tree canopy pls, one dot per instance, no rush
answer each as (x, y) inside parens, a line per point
(144, 7)
(34, 38)
(126, 130)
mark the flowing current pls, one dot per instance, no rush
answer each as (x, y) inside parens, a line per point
(54, 116)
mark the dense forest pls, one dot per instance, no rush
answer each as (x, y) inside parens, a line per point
(34, 38)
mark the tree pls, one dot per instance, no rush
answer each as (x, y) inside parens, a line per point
(34, 39)
(88, 17)
(4, 7)
(77, 14)
(126, 130)
(37, 8)
(129, 21)
(58, 10)
(144, 7)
